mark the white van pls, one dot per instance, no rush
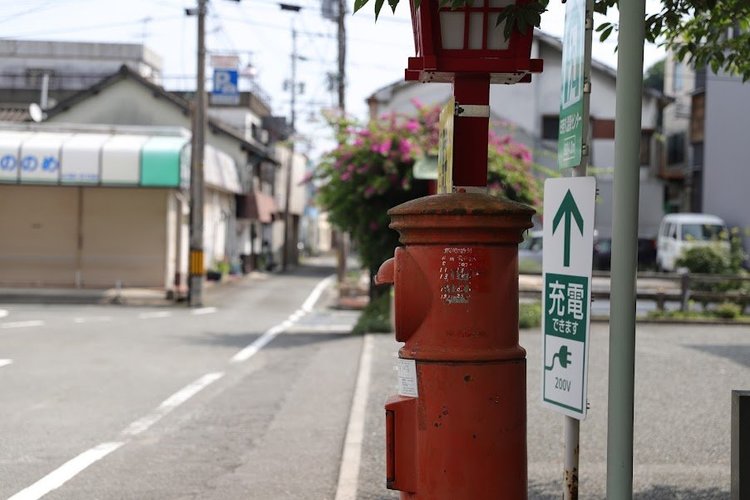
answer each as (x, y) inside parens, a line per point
(679, 232)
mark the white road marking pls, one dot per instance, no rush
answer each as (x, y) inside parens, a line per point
(72, 468)
(5, 362)
(352, 453)
(203, 310)
(67, 471)
(3, 313)
(330, 328)
(22, 324)
(157, 314)
(171, 403)
(92, 319)
(251, 350)
(315, 295)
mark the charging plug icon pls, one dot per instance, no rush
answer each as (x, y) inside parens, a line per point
(563, 356)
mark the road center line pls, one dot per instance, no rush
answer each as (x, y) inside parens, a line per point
(65, 472)
(92, 319)
(171, 403)
(352, 453)
(315, 295)
(22, 324)
(203, 310)
(252, 349)
(157, 314)
(5, 362)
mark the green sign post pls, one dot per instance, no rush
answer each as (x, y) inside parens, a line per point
(572, 121)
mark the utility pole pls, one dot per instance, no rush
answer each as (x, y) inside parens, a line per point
(290, 163)
(196, 265)
(342, 239)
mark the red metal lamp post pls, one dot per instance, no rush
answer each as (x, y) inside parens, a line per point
(458, 430)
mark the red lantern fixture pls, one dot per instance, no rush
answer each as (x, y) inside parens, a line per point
(469, 40)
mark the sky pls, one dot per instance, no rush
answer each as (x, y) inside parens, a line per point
(260, 33)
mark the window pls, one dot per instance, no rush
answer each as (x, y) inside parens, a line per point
(602, 129)
(645, 153)
(703, 232)
(676, 148)
(550, 127)
(678, 77)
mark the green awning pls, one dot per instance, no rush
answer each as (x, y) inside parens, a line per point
(165, 162)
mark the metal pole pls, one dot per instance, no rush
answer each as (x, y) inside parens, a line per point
(629, 91)
(44, 99)
(196, 266)
(740, 450)
(341, 236)
(290, 166)
(573, 425)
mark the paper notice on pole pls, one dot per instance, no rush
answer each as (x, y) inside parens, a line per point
(445, 148)
(407, 378)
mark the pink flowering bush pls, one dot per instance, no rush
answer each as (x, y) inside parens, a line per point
(371, 172)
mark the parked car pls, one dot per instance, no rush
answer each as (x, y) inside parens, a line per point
(530, 252)
(678, 232)
(602, 260)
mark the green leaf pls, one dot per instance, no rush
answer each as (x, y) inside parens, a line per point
(393, 4)
(378, 6)
(602, 26)
(605, 34)
(358, 4)
(522, 25)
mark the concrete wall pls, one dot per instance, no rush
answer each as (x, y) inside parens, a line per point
(72, 66)
(726, 167)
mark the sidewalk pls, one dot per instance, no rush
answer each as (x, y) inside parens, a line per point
(125, 296)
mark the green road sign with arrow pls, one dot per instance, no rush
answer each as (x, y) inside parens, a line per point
(568, 246)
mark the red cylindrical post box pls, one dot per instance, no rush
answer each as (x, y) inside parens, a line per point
(456, 308)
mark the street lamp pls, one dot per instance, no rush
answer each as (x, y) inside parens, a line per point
(466, 46)
(468, 39)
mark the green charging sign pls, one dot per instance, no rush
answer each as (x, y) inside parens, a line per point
(566, 301)
(570, 138)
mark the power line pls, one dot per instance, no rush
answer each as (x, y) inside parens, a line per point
(88, 28)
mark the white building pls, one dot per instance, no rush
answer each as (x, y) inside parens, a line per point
(102, 206)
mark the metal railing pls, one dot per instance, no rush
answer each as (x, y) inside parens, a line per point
(681, 288)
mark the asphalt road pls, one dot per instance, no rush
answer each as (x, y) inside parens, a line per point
(262, 393)
(158, 403)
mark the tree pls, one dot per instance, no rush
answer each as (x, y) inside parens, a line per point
(714, 33)
(654, 76)
(371, 171)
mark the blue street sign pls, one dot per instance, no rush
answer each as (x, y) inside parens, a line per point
(226, 89)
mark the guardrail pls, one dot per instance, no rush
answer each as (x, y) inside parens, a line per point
(679, 287)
